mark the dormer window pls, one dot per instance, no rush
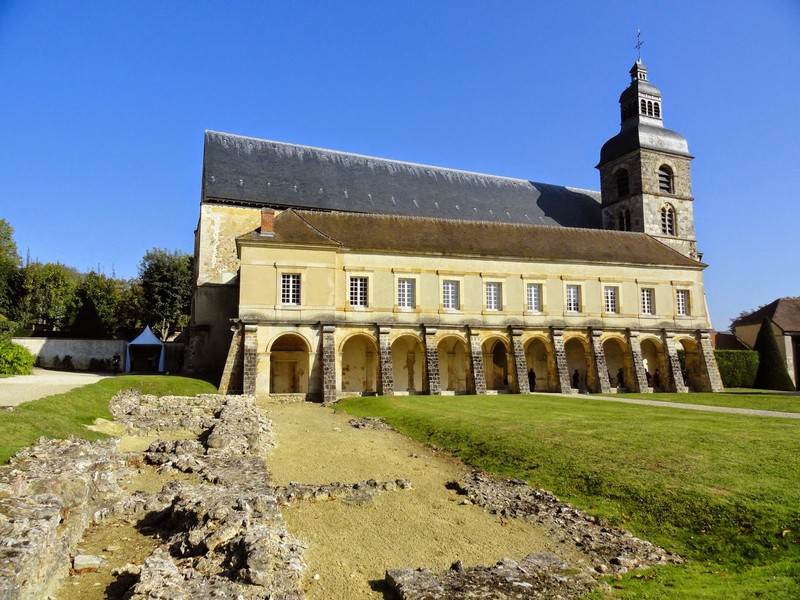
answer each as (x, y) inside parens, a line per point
(665, 179)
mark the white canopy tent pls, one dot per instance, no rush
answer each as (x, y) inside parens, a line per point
(146, 338)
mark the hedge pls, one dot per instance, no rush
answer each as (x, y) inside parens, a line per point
(737, 367)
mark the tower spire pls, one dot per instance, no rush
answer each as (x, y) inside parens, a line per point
(638, 46)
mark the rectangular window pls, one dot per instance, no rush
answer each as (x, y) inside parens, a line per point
(358, 291)
(535, 297)
(494, 299)
(573, 298)
(290, 288)
(610, 299)
(682, 301)
(648, 301)
(450, 299)
(406, 293)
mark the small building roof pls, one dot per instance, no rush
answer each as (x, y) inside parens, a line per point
(784, 312)
(251, 171)
(422, 235)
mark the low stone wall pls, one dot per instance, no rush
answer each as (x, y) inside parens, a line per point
(51, 352)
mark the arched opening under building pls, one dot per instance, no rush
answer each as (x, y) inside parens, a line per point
(455, 374)
(495, 363)
(408, 365)
(619, 364)
(578, 363)
(288, 365)
(691, 364)
(360, 365)
(655, 364)
(539, 357)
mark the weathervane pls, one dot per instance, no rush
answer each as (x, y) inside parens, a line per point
(639, 44)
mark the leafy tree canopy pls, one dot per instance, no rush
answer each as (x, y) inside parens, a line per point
(103, 294)
(9, 263)
(47, 295)
(166, 278)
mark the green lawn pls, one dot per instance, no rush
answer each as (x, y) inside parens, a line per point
(733, 397)
(68, 414)
(722, 490)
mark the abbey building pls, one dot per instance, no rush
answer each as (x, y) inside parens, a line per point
(321, 274)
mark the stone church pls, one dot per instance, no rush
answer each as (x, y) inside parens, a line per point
(322, 274)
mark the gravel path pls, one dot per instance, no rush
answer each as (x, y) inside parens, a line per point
(24, 388)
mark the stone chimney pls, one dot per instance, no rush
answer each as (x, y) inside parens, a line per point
(268, 222)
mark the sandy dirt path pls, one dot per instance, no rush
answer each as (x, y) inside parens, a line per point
(350, 547)
(24, 388)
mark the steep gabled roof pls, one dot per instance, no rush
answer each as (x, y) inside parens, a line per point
(784, 312)
(422, 235)
(251, 171)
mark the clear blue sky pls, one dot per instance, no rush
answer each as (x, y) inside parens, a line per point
(104, 103)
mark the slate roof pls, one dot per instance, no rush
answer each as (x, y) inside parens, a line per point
(784, 312)
(251, 171)
(415, 235)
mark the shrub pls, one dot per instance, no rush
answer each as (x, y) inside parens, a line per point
(15, 360)
(772, 372)
(737, 367)
(7, 329)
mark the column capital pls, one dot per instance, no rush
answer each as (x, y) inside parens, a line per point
(515, 331)
(384, 329)
(328, 328)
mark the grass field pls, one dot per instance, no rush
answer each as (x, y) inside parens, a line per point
(722, 490)
(68, 414)
(734, 398)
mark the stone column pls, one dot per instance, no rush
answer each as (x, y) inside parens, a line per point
(476, 353)
(520, 366)
(675, 373)
(432, 362)
(387, 372)
(564, 384)
(711, 375)
(328, 364)
(600, 362)
(638, 362)
(231, 381)
(250, 359)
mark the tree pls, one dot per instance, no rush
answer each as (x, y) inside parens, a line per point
(772, 373)
(47, 295)
(9, 265)
(100, 298)
(131, 311)
(167, 285)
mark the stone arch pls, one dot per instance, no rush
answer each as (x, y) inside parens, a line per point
(455, 373)
(359, 352)
(692, 364)
(408, 364)
(497, 359)
(655, 363)
(539, 356)
(576, 349)
(288, 364)
(618, 357)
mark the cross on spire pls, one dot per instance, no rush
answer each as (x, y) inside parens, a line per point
(639, 44)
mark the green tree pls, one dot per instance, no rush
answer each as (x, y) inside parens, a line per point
(9, 265)
(772, 373)
(47, 295)
(100, 297)
(166, 278)
(131, 311)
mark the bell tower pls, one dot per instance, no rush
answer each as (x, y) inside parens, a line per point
(645, 178)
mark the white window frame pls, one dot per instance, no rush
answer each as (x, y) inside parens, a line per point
(291, 288)
(494, 295)
(451, 294)
(683, 304)
(533, 297)
(611, 299)
(572, 298)
(406, 293)
(648, 301)
(358, 291)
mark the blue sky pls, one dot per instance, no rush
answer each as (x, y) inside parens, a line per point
(104, 104)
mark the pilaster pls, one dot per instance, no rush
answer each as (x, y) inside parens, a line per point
(386, 386)
(250, 359)
(564, 383)
(328, 364)
(432, 362)
(638, 362)
(711, 370)
(600, 363)
(231, 380)
(520, 366)
(478, 369)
